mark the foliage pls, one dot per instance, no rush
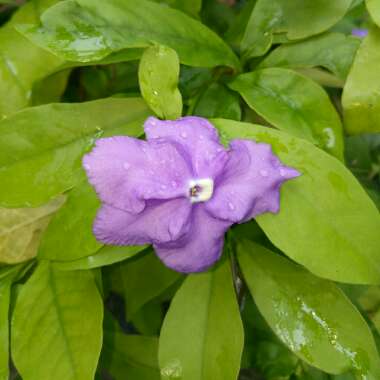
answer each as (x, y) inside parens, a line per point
(296, 294)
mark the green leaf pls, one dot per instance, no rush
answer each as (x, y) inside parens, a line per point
(294, 104)
(327, 222)
(148, 319)
(361, 95)
(41, 147)
(373, 7)
(141, 279)
(333, 51)
(106, 255)
(89, 30)
(202, 334)
(218, 101)
(311, 316)
(21, 230)
(6, 278)
(191, 7)
(129, 356)
(274, 360)
(158, 79)
(69, 235)
(57, 325)
(51, 88)
(21, 62)
(5, 291)
(296, 19)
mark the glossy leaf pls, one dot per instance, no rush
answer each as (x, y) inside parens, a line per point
(294, 104)
(18, 74)
(21, 230)
(202, 334)
(142, 279)
(296, 19)
(41, 147)
(333, 51)
(62, 337)
(158, 79)
(89, 30)
(327, 222)
(361, 96)
(310, 315)
(106, 255)
(218, 101)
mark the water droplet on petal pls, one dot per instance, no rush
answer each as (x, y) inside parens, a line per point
(282, 172)
(264, 173)
(87, 166)
(231, 206)
(184, 135)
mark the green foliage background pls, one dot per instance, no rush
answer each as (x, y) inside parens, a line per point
(296, 295)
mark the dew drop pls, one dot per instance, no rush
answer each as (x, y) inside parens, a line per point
(231, 206)
(264, 173)
(184, 135)
(282, 172)
(87, 166)
(172, 370)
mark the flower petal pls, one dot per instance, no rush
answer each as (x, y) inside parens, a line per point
(159, 222)
(126, 171)
(251, 183)
(199, 248)
(199, 138)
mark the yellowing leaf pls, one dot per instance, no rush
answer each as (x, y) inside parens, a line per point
(21, 230)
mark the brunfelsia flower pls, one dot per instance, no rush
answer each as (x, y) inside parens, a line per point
(181, 189)
(359, 32)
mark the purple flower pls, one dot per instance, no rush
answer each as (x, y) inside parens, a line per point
(358, 32)
(181, 189)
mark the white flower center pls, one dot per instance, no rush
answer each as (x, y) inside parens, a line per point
(200, 190)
